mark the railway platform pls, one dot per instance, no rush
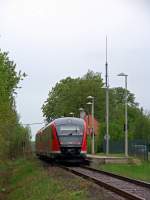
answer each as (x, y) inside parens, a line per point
(101, 159)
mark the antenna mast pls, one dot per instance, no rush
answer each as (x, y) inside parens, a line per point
(107, 105)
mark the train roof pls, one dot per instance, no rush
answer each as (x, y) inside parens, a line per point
(63, 120)
(70, 120)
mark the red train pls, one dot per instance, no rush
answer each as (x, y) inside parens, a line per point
(63, 138)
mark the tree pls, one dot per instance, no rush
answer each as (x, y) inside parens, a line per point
(10, 127)
(70, 94)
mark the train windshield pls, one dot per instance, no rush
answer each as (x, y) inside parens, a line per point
(70, 129)
(70, 133)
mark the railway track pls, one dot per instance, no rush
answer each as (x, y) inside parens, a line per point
(123, 186)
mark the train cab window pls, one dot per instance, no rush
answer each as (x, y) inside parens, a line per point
(69, 129)
(70, 134)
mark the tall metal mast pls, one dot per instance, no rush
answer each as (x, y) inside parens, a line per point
(107, 104)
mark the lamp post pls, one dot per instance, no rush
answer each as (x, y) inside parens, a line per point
(72, 114)
(107, 104)
(126, 114)
(92, 103)
(82, 113)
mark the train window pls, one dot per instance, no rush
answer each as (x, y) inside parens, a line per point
(70, 134)
(69, 129)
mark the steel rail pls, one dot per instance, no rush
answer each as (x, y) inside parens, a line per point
(137, 182)
(103, 184)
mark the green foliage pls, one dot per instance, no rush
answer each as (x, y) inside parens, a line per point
(10, 129)
(70, 94)
(89, 144)
(140, 171)
(31, 181)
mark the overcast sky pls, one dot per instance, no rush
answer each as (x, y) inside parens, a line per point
(53, 39)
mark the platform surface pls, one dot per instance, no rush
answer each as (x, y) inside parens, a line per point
(107, 159)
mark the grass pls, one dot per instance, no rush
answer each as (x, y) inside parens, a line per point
(140, 171)
(30, 181)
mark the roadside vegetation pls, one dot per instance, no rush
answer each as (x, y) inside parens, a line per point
(140, 171)
(29, 180)
(14, 137)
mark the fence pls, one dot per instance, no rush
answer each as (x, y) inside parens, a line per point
(137, 148)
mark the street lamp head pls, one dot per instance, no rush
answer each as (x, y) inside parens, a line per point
(71, 113)
(90, 97)
(81, 109)
(122, 74)
(89, 103)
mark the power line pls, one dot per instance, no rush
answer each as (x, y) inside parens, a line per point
(35, 123)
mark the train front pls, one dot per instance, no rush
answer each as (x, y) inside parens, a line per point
(71, 134)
